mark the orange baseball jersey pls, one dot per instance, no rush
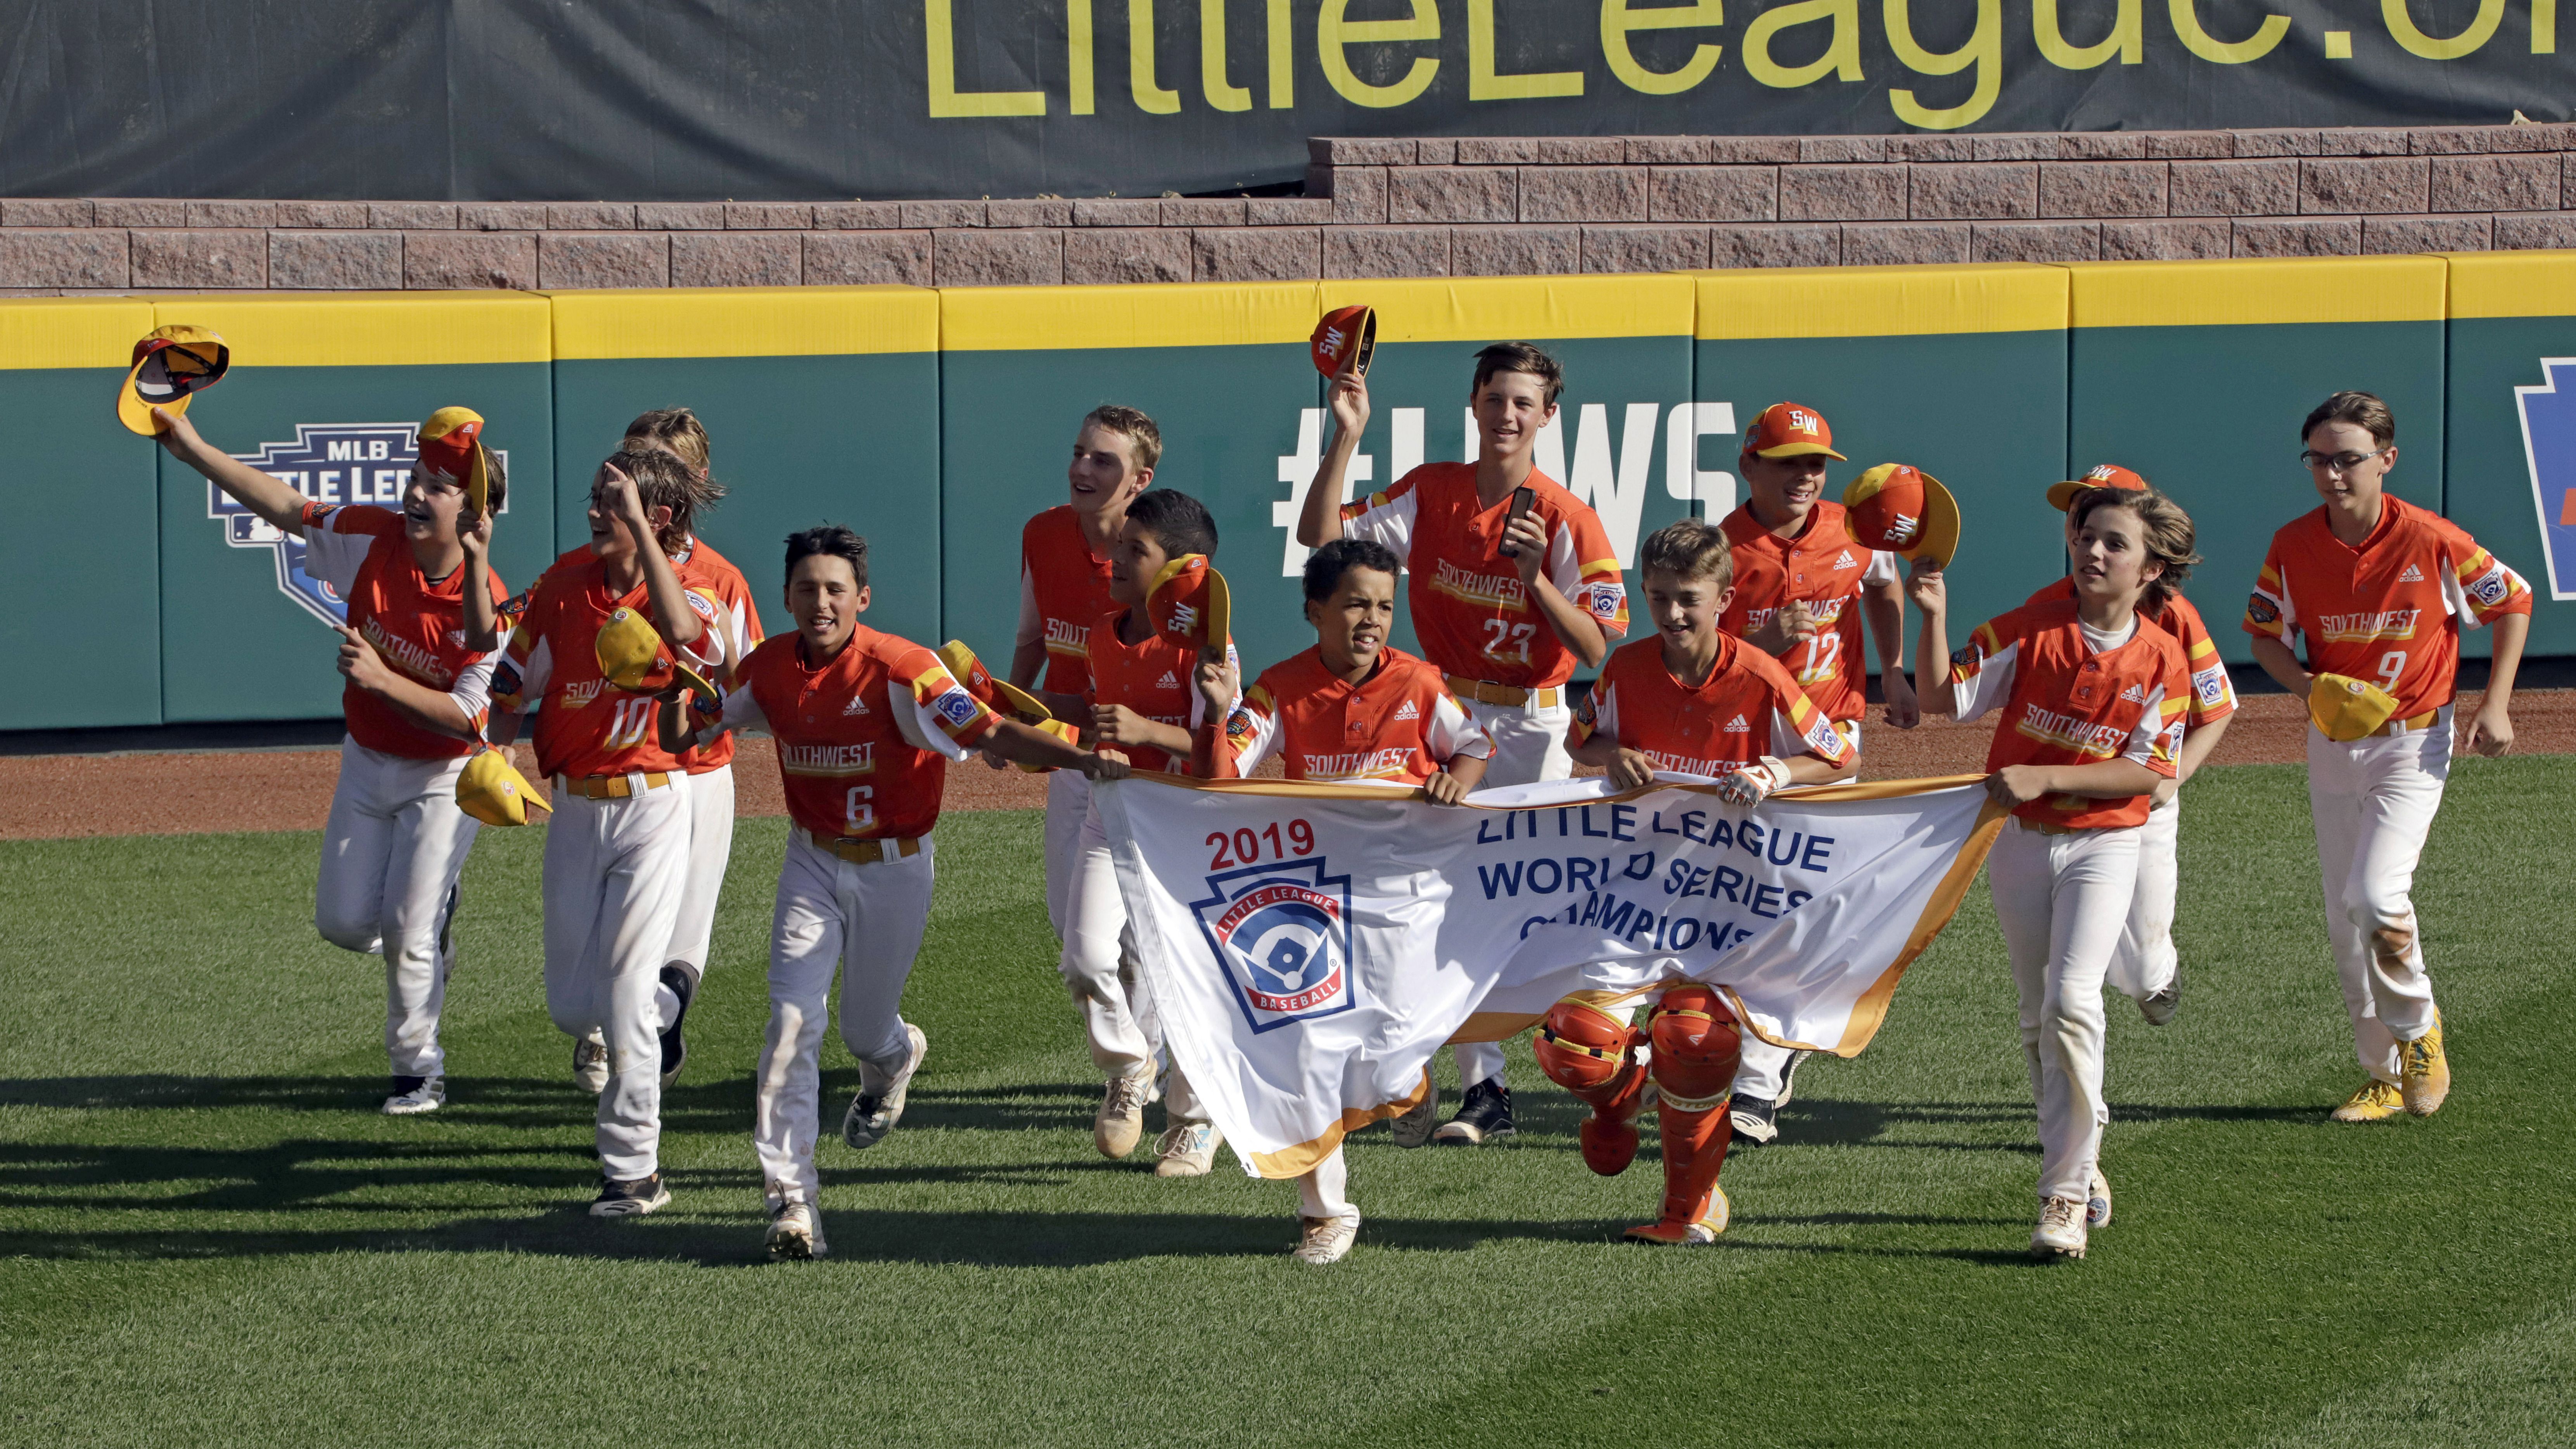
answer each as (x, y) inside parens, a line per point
(1399, 725)
(1823, 569)
(2213, 696)
(416, 625)
(702, 567)
(2389, 612)
(1064, 586)
(863, 742)
(1469, 609)
(1157, 679)
(1748, 707)
(2067, 703)
(585, 725)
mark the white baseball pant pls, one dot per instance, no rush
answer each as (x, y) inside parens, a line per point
(1323, 1190)
(1117, 1006)
(865, 921)
(710, 850)
(391, 854)
(2062, 901)
(1068, 802)
(2373, 801)
(613, 877)
(2146, 960)
(1762, 1070)
(1529, 746)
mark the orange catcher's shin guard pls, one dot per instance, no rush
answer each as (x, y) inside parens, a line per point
(1696, 1044)
(1588, 1052)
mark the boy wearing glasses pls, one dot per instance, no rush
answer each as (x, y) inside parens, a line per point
(2380, 590)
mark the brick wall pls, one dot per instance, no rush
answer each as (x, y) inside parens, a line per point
(1405, 207)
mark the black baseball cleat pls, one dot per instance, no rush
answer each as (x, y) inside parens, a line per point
(1789, 1077)
(675, 1051)
(1485, 1116)
(629, 1199)
(1756, 1120)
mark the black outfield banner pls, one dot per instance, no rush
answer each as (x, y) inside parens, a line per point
(505, 100)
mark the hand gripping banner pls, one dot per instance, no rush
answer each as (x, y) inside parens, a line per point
(1309, 946)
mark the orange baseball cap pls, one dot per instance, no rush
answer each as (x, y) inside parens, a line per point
(1189, 598)
(170, 364)
(1790, 430)
(451, 444)
(1347, 334)
(2061, 496)
(1903, 510)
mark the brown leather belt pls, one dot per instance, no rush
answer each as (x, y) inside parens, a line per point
(1511, 696)
(2415, 726)
(866, 852)
(608, 787)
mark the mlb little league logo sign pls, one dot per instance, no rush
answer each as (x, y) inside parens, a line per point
(1281, 935)
(331, 463)
(2549, 446)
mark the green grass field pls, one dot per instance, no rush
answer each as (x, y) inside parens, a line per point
(208, 1236)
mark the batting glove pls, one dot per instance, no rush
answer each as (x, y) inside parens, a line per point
(1754, 783)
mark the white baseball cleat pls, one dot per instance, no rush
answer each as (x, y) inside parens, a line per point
(1186, 1149)
(1415, 1127)
(1120, 1123)
(2097, 1207)
(415, 1095)
(630, 1199)
(873, 1114)
(2060, 1233)
(1325, 1240)
(590, 1065)
(796, 1233)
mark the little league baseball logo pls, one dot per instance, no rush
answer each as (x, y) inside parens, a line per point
(331, 463)
(1282, 937)
(2549, 447)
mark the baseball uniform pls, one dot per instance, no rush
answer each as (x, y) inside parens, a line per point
(396, 842)
(864, 743)
(1399, 726)
(1475, 621)
(2065, 869)
(1825, 570)
(2146, 961)
(2390, 613)
(710, 766)
(1064, 586)
(617, 850)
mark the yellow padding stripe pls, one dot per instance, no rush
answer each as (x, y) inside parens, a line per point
(1879, 301)
(1499, 309)
(745, 322)
(370, 329)
(1182, 314)
(2237, 293)
(2512, 284)
(72, 331)
(1598, 1053)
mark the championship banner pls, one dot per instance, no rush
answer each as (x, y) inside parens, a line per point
(1310, 946)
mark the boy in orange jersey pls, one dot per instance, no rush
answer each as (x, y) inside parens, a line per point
(2092, 695)
(2147, 969)
(866, 724)
(1505, 601)
(1141, 706)
(416, 700)
(1064, 585)
(678, 432)
(1352, 711)
(1802, 590)
(1693, 700)
(2381, 589)
(617, 849)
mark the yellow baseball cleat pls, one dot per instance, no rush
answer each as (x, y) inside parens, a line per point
(2377, 1101)
(1689, 1235)
(2424, 1070)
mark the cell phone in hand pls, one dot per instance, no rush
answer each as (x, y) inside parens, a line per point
(1522, 498)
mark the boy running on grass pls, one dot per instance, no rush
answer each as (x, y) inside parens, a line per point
(1352, 711)
(1505, 599)
(866, 724)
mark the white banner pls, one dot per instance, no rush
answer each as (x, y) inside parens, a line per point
(1310, 946)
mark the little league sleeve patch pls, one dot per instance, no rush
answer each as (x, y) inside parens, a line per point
(2210, 685)
(2492, 587)
(956, 706)
(1824, 739)
(2262, 610)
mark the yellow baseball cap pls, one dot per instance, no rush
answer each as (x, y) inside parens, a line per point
(1903, 510)
(632, 657)
(2346, 709)
(994, 691)
(170, 364)
(451, 444)
(492, 790)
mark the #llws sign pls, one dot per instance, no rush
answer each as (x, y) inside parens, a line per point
(327, 463)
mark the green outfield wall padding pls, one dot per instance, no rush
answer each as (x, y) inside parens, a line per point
(81, 529)
(2509, 430)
